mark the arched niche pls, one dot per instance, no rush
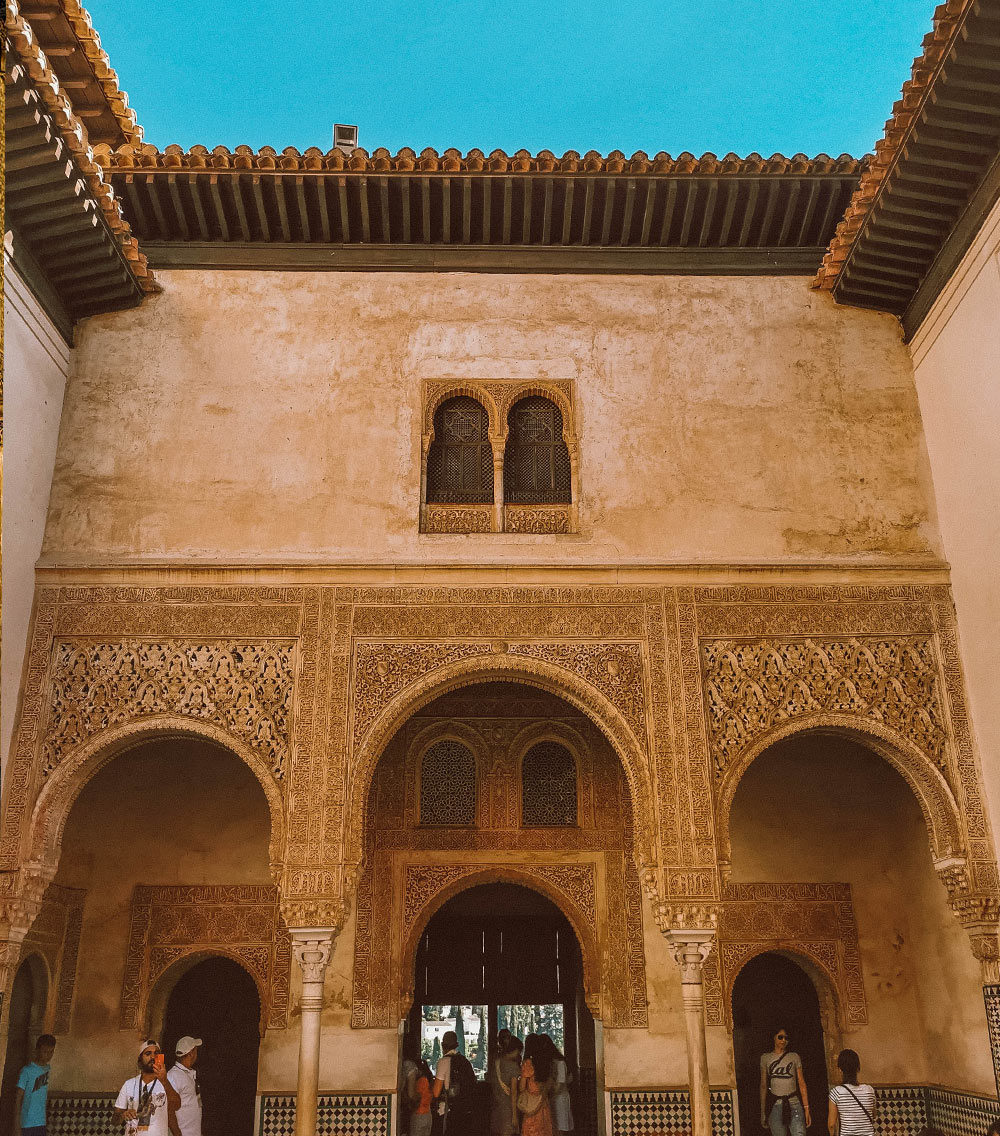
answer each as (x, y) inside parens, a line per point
(937, 803)
(154, 1013)
(61, 790)
(531, 672)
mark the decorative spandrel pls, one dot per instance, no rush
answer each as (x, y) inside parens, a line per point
(448, 785)
(548, 786)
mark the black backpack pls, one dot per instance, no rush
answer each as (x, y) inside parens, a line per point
(462, 1089)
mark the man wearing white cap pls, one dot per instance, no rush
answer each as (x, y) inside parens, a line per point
(147, 1100)
(187, 1116)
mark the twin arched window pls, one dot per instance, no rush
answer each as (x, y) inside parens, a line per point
(548, 786)
(536, 467)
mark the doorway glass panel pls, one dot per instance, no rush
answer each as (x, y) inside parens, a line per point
(470, 1023)
(522, 1020)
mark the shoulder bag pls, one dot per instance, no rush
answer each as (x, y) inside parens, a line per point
(861, 1106)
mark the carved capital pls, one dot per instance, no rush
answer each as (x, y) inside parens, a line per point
(311, 947)
(976, 908)
(21, 895)
(691, 947)
(985, 944)
(310, 911)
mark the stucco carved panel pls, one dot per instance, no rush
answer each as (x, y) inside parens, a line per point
(243, 687)
(813, 921)
(55, 934)
(171, 922)
(753, 685)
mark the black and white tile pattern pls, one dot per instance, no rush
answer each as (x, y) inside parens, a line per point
(991, 996)
(667, 1112)
(341, 1114)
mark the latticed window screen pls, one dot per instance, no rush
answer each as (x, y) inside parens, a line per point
(548, 786)
(448, 785)
(536, 468)
(460, 461)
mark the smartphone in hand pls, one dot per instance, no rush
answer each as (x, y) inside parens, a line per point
(158, 1062)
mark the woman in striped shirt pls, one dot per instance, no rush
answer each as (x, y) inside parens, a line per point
(852, 1106)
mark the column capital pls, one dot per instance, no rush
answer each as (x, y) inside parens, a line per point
(690, 948)
(312, 947)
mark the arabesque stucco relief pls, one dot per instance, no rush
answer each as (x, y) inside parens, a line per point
(678, 679)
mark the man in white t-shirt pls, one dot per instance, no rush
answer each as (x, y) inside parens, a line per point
(147, 1100)
(187, 1116)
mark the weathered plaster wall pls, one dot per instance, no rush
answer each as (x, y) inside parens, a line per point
(956, 356)
(262, 416)
(36, 360)
(174, 811)
(817, 809)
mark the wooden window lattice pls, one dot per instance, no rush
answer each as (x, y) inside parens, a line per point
(448, 784)
(548, 786)
(460, 460)
(536, 468)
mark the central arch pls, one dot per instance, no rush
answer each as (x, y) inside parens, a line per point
(524, 877)
(527, 671)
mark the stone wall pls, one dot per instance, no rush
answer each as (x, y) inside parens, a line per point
(36, 362)
(262, 417)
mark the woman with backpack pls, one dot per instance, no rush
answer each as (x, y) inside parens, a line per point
(852, 1106)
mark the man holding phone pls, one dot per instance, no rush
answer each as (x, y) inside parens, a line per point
(147, 1101)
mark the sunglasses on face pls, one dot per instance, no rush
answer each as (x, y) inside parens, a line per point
(782, 1037)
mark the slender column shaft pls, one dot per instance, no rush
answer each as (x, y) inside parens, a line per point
(691, 948)
(312, 952)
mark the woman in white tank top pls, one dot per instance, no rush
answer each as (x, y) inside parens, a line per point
(852, 1106)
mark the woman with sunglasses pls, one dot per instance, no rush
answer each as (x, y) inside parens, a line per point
(784, 1102)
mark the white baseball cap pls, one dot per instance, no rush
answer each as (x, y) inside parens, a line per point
(186, 1044)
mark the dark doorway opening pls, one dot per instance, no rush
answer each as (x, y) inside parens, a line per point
(217, 1001)
(24, 1023)
(501, 953)
(772, 992)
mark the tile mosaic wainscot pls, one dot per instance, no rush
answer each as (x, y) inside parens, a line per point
(339, 1114)
(667, 1111)
(904, 1109)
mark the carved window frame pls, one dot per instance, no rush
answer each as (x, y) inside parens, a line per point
(522, 751)
(498, 396)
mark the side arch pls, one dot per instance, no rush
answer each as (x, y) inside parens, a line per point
(936, 801)
(585, 936)
(153, 1015)
(52, 807)
(501, 667)
(461, 390)
(429, 736)
(832, 1012)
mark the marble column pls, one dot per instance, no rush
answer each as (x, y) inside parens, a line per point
(311, 947)
(691, 947)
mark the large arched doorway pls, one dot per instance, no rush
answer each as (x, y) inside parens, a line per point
(24, 1023)
(217, 1001)
(770, 993)
(842, 833)
(501, 955)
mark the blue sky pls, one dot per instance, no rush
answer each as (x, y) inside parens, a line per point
(719, 75)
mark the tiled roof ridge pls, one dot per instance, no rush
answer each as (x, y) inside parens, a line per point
(948, 19)
(73, 132)
(475, 161)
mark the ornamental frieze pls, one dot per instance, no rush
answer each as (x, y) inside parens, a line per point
(243, 687)
(751, 686)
